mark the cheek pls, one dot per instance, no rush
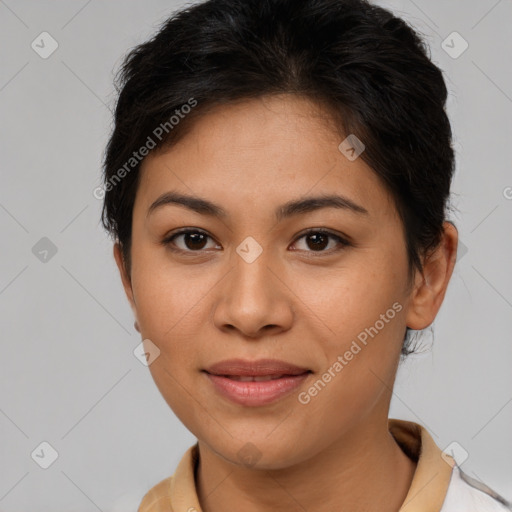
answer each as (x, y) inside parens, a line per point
(353, 299)
(172, 379)
(360, 371)
(365, 313)
(169, 297)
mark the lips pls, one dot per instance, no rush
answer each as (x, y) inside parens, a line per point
(255, 383)
(260, 368)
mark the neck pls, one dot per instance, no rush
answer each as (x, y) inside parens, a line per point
(364, 469)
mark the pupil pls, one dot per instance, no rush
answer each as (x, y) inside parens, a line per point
(195, 239)
(316, 244)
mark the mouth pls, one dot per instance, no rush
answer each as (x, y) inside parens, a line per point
(255, 383)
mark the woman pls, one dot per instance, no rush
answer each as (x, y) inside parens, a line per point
(277, 183)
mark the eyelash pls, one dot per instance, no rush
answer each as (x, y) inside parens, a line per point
(167, 242)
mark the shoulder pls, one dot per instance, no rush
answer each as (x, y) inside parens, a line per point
(158, 498)
(466, 494)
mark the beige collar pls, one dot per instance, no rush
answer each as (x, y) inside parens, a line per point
(433, 470)
(426, 494)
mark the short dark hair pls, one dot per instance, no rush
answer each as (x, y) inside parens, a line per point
(368, 67)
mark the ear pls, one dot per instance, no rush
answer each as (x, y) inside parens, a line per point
(431, 284)
(125, 278)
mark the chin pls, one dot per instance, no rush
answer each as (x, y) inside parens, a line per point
(258, 451)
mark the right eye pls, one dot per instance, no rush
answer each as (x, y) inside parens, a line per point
(192, 240)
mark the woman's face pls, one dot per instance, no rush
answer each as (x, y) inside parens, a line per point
(255, 286)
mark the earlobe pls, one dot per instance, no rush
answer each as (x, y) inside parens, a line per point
(431, 285)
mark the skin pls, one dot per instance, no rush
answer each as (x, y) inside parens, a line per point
(293, 303)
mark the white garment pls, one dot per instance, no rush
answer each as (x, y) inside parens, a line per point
(465, 494)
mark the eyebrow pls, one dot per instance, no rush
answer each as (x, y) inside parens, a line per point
(289, 209)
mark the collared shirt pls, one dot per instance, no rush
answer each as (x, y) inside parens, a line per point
(438, 484)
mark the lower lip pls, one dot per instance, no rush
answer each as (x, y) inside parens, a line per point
(252, 393)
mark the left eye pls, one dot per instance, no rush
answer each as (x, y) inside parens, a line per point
(318, 240)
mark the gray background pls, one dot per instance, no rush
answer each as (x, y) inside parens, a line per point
(68, 375)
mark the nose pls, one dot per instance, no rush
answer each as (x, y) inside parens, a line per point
(253, 300)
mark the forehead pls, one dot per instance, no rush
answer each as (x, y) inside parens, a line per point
(258, 152)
